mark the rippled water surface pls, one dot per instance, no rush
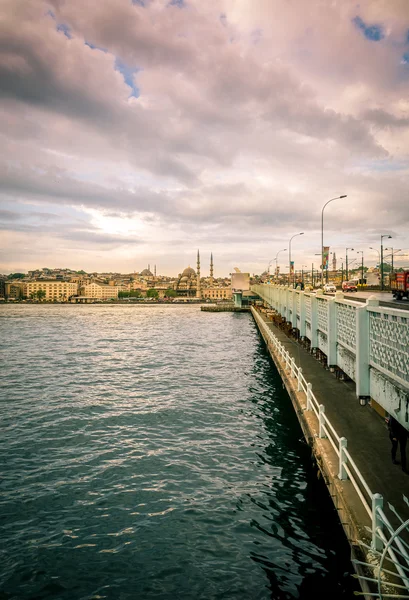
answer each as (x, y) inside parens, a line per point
(151, 452)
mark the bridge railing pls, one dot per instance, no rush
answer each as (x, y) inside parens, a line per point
(380, 528)
(367, 342)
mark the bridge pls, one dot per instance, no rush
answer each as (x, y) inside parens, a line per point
(367, 342)
(367, 347)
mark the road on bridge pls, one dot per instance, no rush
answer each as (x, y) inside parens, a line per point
(385, 299)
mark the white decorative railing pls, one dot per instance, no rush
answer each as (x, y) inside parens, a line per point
(389, 341)
(381, 530)
(367, 342)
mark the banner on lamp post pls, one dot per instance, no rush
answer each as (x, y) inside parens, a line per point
(325, 256)
(292, 267)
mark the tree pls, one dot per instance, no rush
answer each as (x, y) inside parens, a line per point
(170, 293)
(152, 294)
(16, 276)
(33, 295)
(41, 294)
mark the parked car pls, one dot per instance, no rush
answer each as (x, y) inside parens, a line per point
(329, 288)
(349, 286)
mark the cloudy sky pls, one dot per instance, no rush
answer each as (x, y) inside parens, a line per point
(135, 132)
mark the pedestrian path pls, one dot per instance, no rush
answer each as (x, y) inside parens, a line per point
(364, 428)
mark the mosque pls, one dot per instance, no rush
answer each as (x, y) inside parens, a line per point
(188, 283)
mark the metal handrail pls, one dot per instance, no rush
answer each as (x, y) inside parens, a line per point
(360, 477)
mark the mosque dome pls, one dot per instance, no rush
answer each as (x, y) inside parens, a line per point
(146, 273)
(189, 272)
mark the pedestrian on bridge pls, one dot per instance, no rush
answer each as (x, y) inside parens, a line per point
(398, 436)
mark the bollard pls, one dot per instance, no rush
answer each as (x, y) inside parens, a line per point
(377, 502)
(342, 474)
(321, 418)
(309, 396)
(299, 386)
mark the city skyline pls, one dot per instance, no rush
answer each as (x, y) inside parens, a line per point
(137, 132)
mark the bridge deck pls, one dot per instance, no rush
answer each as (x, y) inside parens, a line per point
(365, 430)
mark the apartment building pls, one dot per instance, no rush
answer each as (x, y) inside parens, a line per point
(99, 291)
(54, 289)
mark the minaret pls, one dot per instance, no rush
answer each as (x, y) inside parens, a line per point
(198, 288)
(211, 268)
(155, 270)
(334, 262)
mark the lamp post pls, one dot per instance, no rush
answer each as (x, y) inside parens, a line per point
(283, 250)
(379, 255)
(392, 255)
(289, 256)
(322, 234)
(362, 265)
(389, 237)
(302, 272)
(346, 262)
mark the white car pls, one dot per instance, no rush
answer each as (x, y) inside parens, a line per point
(329, 288)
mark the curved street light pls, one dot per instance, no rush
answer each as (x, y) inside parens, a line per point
(346, 262)
(322, 233)
(283, 250)
(289, 255)
(379, 254)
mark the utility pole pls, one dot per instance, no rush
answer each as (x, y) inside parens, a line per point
(389, 237)
(346, 263)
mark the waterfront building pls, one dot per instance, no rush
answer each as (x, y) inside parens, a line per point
(99, 291)
(15, 290)
(217, 293)
(55, 290)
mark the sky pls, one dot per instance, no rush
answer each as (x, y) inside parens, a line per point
(136, 132)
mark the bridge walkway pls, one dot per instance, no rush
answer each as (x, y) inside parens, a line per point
(366, 431)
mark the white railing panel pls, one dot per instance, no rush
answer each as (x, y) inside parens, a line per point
(389, 342)
(322, 314)
(346, 325)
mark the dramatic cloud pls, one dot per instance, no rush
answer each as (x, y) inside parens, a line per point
(135, 132)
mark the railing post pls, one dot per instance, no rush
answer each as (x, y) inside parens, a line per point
(321, 419)
(342, 474)
(309, 396)
(332, 333)
(362, 348)
(377, 502)
(299, 377)
(302, 314)
(314, 322)
(292, 367)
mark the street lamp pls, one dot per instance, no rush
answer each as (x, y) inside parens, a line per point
(283, 250)
(362, 265)
(389, 237)
(346, 262)
(289, 255)
(379, 256)
(322, 233)
(392, 254)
